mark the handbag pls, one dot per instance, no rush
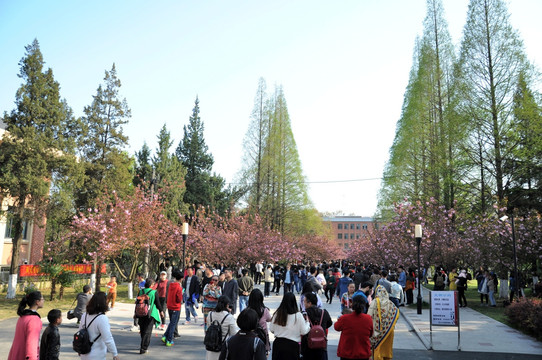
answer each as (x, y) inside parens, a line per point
(70, 315)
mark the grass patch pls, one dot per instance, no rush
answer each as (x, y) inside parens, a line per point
(8, 307)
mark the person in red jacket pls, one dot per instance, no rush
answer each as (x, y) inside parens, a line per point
(356, 330)
(174, 301)
(161, 289)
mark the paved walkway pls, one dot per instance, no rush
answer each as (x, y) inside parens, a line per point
(478, 333)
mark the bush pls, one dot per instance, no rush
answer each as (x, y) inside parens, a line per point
(526, 314)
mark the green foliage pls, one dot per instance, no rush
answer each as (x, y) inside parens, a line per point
(37, 145)
(273, 175)
(106, 164)
(202, 188)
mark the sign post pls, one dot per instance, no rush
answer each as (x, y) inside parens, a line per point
(444, 311)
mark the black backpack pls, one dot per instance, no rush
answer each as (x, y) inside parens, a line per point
(213, 336)
(81, 339)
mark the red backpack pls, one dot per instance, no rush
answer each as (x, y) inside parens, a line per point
(316, 338)
(142, 305)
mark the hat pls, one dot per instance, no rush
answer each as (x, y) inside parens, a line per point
(163, 272)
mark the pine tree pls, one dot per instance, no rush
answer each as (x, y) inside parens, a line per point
(106, 163)
(170, 176)
(202, 188)
(34, 149)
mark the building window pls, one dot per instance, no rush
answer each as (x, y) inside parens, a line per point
(365, 227)
(346, 226)
(339, 236)
(357, 236)
(352, 236)
(346, 245)
(340, 226)
(351, 226)
(346, 236)
(10, 229)
(357, 226)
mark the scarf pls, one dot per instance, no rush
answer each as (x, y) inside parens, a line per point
(384, 314)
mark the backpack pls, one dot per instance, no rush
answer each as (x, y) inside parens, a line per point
(213, 336)
(262, 334)
(81, 339)
(439, 281)
(316, 338)
(142, 306)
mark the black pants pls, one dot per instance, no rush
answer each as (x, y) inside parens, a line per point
(276, 286)
(462, 298)
(482, 298)
(257, 278)
(145, 330)
(331, 292)
(266, 288)
(175, 332)
(285, 349)
(410, 296)
(163, 305)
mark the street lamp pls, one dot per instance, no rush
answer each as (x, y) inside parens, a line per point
(184, 232)
(516, 280)
(418, 235)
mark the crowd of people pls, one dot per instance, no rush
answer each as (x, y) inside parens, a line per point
(369, 299)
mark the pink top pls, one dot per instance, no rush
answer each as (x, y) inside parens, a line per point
(26, 343)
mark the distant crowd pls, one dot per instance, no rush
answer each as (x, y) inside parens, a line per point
(235, 318)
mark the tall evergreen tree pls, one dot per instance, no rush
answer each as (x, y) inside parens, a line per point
(202, 187)
(35, 148)
(106, 163)
(170, 176)
(143, 166)
(491, 61)
(524, 171)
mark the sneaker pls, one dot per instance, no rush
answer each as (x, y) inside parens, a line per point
(164, 339)
(143, 351)
(187, 322)
(169, 343)
(163, 327)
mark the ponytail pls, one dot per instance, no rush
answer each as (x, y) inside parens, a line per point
(28, 300)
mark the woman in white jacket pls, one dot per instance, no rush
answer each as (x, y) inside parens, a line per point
(288, 325)
(99, 330)
(229, 326)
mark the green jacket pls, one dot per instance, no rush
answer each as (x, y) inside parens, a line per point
(152, 298)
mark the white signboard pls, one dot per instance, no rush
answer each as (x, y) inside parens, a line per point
(444, 309)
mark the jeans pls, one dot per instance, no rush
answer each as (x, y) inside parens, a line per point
(243, 301)
(173, 321)
(492, 298)
(287, 287)
(297, 282)
(395, 301)
(175, 330)
(189, 309)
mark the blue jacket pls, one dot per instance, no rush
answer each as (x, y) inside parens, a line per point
(342, 286)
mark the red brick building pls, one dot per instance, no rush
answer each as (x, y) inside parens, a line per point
(346, 229)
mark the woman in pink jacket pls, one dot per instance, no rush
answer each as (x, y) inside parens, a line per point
(26, 342)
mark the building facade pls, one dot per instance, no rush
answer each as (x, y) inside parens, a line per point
(346, 229)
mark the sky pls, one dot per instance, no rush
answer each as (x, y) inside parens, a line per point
(343, 66)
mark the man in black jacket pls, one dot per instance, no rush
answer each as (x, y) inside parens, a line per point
(191, 294)
(231, 289)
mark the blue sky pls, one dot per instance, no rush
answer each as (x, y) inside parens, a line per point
(343, 66)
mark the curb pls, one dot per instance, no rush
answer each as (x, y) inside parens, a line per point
(416, 330)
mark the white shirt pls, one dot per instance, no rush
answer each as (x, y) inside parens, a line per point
(296, 326)
(104, 343)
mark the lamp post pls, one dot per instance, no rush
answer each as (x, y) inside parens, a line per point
(185, 235)
(418, 235)
(516, 280)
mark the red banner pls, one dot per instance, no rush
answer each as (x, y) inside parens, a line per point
(34, 270)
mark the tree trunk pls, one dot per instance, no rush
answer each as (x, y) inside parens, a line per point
(15, 252)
